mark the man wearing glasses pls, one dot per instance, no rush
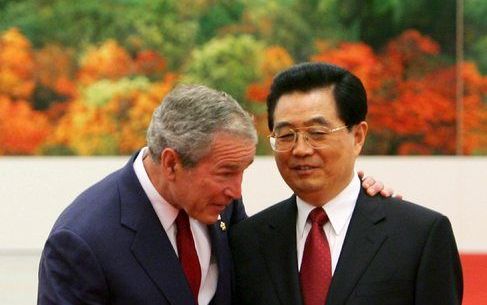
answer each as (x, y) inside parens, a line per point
(330, 243)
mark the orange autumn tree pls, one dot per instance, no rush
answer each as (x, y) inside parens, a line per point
(274, 60)
(108, 61)
(55, 83)
(150, 63)
(112, 61)
(475, 110)
(357, 57)
(116, 98)
(412, 100)
(115, 124)
(16, 65)
(55, 70)
(84, 130)
(22, 129)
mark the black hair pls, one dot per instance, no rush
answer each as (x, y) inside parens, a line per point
(348, 90)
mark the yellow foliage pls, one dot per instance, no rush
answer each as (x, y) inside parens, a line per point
(275, 59)
(117, 127)
(86, 130)
(109, 61)
(16, 65)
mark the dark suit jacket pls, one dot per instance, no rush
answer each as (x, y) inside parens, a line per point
(109, 247)
(394, 253)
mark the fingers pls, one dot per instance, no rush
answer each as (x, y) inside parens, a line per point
(387, 192)
(368, 182)
(397, 196)
(371, 186)
(375, 188)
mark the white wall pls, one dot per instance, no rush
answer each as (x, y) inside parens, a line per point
(34, 190)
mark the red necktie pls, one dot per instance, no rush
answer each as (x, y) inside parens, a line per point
(315, 274)
(187, 253)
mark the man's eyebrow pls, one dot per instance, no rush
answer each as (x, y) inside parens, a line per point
(317, 120)
(314, 120)
(235, 166)
(282, 125)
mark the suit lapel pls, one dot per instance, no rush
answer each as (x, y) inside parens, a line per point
(221, 251)
(151, 246)
(363, 240)
(278, 246)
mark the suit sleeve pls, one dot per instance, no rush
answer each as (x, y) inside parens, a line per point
(439, 279)
(69, 273)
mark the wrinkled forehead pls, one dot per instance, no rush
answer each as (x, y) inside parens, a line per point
(230, 150)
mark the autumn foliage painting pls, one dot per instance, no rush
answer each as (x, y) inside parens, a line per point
(82, 78)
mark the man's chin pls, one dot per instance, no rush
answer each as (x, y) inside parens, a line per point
(305, 187)
(208, 218)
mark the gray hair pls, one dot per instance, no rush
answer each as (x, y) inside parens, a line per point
(189, 117)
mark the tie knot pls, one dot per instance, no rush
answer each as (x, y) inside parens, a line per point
(182, 221)
(318, 216)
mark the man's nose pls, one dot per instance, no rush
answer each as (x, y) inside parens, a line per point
(301, 146)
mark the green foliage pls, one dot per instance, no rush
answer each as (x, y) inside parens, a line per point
(229, 64)
(296, 25)
(44, 97)
(377, 21)
(477, 52)
(220, 14)
(69, 23)
(292, 32)
(104, 145)
(100, 93)
(168, 26)
(175, 27)
(57, 150)
(162, 25)
(475, 32)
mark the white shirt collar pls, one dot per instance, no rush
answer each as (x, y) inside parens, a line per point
(338, 209)
(161, 206)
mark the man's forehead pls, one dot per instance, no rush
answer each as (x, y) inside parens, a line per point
(235, 164)
(310, 92)
(231, 150)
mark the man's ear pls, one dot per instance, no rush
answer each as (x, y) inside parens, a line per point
(169, 161)
(359, 134)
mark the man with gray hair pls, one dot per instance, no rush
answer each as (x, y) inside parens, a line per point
(155, 231)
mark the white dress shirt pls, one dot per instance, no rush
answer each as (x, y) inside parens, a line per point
(339, 211)
(167, 215)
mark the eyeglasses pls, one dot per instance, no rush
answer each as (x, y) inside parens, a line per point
(283, 140)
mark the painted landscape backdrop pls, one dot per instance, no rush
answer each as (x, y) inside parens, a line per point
(83, 77)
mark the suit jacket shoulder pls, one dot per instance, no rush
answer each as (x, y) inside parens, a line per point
(397, 249)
